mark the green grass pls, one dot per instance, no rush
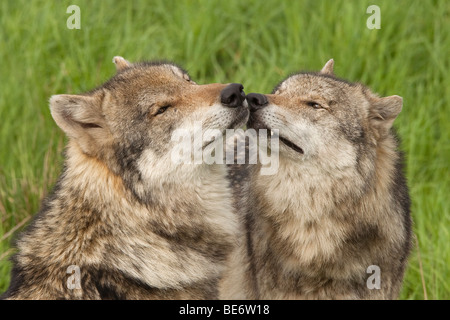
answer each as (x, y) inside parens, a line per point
(256, 43)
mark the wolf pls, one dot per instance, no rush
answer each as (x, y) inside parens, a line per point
(334, 221)
(123, 220)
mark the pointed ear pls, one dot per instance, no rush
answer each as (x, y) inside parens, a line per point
(328, 68)
(73, 113)
(383, 112)
(121, 63)
(80, 117)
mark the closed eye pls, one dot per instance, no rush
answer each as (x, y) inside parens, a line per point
(162, 109)
(191, 81)
(313, 104)
(188, 79)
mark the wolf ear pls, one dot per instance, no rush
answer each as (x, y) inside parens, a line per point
(383, 112)
(328, 68)
(121, 63)
(80, 117)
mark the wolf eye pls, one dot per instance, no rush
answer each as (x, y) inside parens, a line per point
(188, 79)
(313, 104)
(162, 109)
(191, 81)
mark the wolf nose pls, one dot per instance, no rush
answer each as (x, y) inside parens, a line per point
(233, 95)
(256, 101)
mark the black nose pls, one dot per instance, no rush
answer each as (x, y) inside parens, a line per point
(233, 95)
(256, 101)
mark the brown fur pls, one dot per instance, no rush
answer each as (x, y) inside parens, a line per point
(137, 225)
(311, 230)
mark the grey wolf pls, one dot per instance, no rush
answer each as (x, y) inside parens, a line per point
(337, 208)
(133, 223)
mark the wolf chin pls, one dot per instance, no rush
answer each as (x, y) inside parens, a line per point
(338, 205)
(133, 224)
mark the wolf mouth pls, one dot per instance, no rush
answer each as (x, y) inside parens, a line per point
(257, 124)
(239, 120)
(207, 143)
(288, 143)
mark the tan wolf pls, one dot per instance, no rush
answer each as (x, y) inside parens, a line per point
(334, 221)
(124, 221)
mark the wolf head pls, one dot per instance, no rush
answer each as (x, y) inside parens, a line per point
(324, 120)
(127, 123)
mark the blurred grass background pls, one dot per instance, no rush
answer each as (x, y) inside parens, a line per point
(257, 43)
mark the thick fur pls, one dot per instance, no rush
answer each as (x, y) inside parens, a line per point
(136, 224)
(341, 205)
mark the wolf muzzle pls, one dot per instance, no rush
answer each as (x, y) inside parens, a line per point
(233, 95)
(256, 101)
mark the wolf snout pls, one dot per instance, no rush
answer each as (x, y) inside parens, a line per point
(256, 101)
(233, 95)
